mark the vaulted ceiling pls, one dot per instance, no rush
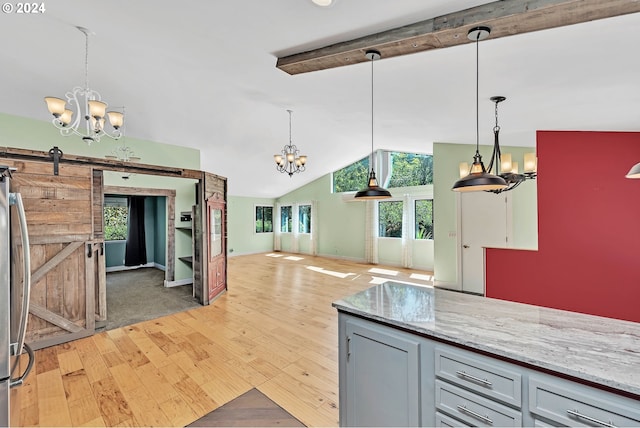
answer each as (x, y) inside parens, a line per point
(202, 74)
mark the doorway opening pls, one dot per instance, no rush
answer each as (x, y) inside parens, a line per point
(139, 239)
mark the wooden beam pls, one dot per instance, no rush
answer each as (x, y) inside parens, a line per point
(504, 17)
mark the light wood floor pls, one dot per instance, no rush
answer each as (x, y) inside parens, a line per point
(274, 329)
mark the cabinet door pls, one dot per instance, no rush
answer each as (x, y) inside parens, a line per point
(383, 377)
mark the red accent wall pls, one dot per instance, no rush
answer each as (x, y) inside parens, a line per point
(588, 257)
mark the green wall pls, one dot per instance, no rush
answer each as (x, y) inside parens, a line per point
(446, 158)
(32, 134)
(340, 224)
(241, 230)
(341, 230)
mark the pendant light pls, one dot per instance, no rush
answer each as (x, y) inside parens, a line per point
(372, 191)
(478, 178)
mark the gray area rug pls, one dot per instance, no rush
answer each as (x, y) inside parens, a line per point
(251, 409)
(139, 295)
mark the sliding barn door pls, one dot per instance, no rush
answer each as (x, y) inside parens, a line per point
(65, 257)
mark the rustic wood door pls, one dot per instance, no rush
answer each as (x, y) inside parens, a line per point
(216, 244)
(64, 247)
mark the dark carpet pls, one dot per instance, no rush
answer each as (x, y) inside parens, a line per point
(139, 295)
(251, 409)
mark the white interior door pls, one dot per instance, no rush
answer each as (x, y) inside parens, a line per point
(485, 222)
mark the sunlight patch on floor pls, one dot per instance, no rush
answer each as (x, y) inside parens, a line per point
(273, 255)
(383, 271)
(294, 258)
(421, 277)
(329, 272)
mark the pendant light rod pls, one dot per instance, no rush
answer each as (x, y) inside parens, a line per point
(477, 34)
(372, 191)
(372, 55)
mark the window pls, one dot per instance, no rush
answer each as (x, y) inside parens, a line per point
(424, 219)
(115, 218)
(410, 169)
(304, 219)
(390, 219)
(264, 219)
(351, 178)
(286, 220)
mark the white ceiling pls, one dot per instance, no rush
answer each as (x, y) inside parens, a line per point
(201, 73)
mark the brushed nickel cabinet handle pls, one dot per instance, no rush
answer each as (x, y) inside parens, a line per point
(478, 416)
(577, 414)
(466, 375)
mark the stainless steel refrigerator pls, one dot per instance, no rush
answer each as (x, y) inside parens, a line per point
(15, 284)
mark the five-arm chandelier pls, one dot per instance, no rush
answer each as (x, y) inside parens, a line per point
(502, 163)
(290, 160)
(86, 114)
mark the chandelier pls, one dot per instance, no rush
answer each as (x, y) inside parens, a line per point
(123, 153)
(505, 167)
(372, 191)
(90, 111)
(290, 161)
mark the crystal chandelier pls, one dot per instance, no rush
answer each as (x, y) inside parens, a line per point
(290, 160)
(90, 111)
(123, 153)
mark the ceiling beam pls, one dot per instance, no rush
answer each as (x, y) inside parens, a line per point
(504, 17)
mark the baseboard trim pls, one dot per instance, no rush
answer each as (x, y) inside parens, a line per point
(179, 282)
(121, 268)
(448, 285)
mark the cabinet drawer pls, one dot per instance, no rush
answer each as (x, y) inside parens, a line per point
(443, 420)
(572, 404)
(473, 409)
(476, 373)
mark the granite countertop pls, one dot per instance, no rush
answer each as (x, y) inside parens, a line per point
(605, 351)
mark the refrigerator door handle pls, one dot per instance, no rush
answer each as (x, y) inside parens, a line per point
(16, 199)
(19, 381)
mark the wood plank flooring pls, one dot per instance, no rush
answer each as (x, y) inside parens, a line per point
(274, 330)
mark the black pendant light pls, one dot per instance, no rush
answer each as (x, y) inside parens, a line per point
(372, 191)
(478, 179)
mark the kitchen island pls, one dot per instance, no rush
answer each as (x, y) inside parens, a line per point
(412, 356)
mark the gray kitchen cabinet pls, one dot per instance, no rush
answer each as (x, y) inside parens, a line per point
(561, 402)
(381, 368)
(418, 356)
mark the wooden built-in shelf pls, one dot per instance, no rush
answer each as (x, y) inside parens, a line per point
(186, 259)
(184, 228)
